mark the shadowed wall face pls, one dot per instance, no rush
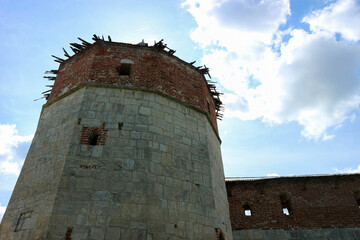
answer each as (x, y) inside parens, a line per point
(295, 203)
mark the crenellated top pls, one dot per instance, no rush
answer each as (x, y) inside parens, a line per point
(141, 66)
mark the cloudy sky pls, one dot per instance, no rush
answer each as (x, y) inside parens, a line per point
(290, 71)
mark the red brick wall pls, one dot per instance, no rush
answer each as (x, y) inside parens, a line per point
(316, 202)
(153, 68)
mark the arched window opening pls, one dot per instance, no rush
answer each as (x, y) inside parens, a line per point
(94, 136)
(247, 210)
(285, 204)
(221, 237)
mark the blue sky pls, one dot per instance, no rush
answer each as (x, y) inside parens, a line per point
(290, 71)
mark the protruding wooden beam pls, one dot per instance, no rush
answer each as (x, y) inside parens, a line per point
(75, 50)
(78, 46)
(57, 59)
(65, 53)
(95, 37)
(84, 42)
(46, 91)
(52, 72)
(50, 78)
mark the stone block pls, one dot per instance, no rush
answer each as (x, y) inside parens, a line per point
(97, 233)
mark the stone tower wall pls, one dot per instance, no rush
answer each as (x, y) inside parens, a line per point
(133, 156)
(29, 210)
(152, 179)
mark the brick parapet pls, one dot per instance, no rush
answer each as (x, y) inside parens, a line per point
(316, 203)
(152, 68)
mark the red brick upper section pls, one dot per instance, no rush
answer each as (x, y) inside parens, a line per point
(152, 68)
(315, 202)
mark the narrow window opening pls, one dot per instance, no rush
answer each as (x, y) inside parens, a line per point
(208, 105)
(247, 210)
(120, 125)
(286, 211)
(285, 204)
(93, 138)
(124, 69)
(79, 121)
(23, 221)
(221, 237)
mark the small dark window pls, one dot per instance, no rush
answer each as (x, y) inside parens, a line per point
(124, 69)
(357, 197)
(93, 138)
(221, 237)
(120, 125)
(285, 204)
(247, 210)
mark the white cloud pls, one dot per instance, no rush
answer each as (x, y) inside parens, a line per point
(328, 137)
(9, 141)
(312, 79)
(2, 211)
(340, 17)
(272, 175)
(348, 170)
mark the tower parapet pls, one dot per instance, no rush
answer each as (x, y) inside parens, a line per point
(146, 67)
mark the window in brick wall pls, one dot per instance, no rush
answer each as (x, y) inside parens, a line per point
(286, 211)
(357, 197)
(247, 210)
(93, 137)
(285, 203)
(125, 67)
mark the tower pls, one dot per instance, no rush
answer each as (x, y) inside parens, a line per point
(126, 147)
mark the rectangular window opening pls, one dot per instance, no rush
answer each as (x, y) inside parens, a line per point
(23, 221)
(124, 69)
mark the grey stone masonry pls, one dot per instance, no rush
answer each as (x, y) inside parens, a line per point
(29, 210)
(157, 175)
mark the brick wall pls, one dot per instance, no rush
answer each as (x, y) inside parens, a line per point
(152, 68)
(314, 202)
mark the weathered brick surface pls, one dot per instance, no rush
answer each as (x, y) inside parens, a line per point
(152, 69)
(322, 202)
